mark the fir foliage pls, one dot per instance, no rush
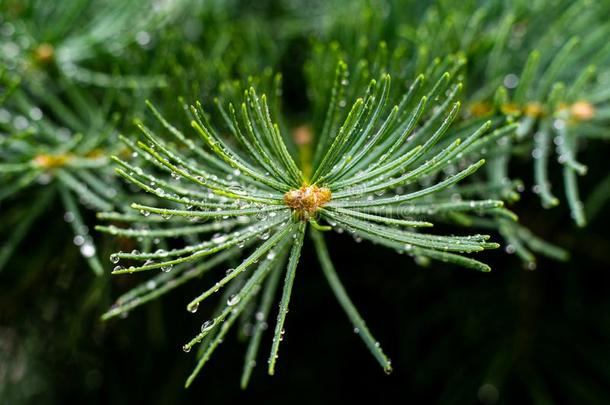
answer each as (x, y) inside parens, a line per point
(377, 174)
(215, 140)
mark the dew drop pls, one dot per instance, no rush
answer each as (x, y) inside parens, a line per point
(218, 239)
(143, 38)
(87, 250)
(78, 240)
(511, 81)
(161, 253)
(559, 124)
(206, 326)
(68, 217)
(233, 300)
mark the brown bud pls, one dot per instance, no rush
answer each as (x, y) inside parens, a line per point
(582, 111)
(306, 200)
(44, 53)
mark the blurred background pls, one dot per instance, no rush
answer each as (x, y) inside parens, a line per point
(454, 336)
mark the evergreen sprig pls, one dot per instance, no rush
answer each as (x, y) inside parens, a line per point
(54, 141)
(557, 93)
(383, 162)
(70, 38)
(378, 174)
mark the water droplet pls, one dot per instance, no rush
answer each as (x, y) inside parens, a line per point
(536, 153)
(559, 124)
(206, 326)
(167, 268)
(143, 38)
(193, 308)
(218, 239)
(87, 250)
(44, 179)
(35, 113)
(233, 300)
(78, 240)
(145, 212)
(186, 348)
(511, 80)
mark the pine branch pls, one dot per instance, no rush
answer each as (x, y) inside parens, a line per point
(257, 177)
